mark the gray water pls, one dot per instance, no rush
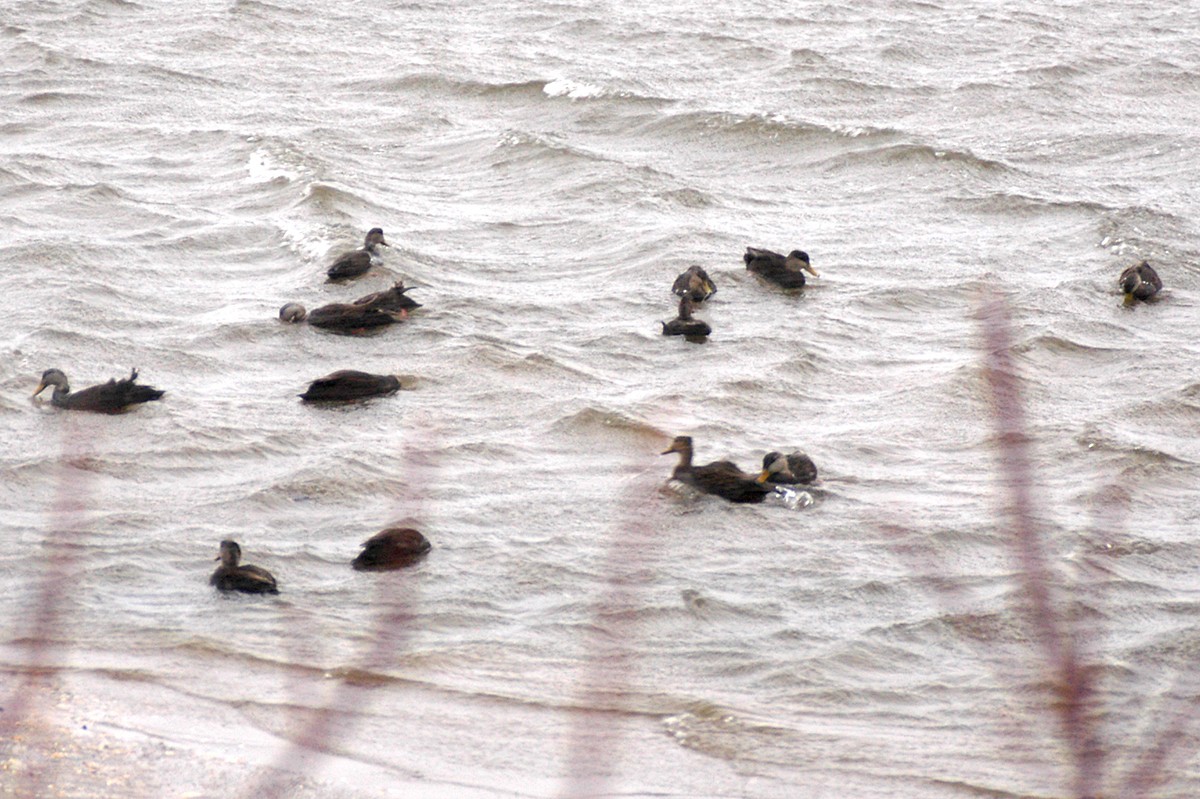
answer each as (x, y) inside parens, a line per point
(171, 173)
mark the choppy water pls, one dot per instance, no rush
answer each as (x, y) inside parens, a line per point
(171, 173)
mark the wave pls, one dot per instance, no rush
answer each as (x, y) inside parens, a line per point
(1060, 345)
(592, 419)
(51, 97)
(759, 125)
(906, 154)
(532, 89)
(1028, 205)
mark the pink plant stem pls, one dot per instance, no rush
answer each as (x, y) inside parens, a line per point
(593, 741)
(397, 602)
(1073, 683)
(70, 502)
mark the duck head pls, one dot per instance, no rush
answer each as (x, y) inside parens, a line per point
(679, 444)
(774, 463)
(375, 237)
(798, 259)
(56, 378)
(231, 553)
(293, 312)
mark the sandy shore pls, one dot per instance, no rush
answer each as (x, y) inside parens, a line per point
(74, 735)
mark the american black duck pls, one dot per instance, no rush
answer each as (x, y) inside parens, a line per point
(722, 478)
(111, 397)
(357, 262)
(392, 548)
(694, 283)
(348, 384)
(794, 469)
(783, 270)
(1140, 282)
(229, 576)
(394, 299)
(684, 324)
(374, 310)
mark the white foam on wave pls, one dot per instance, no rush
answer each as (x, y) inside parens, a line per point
(263, 168)
(576, 90)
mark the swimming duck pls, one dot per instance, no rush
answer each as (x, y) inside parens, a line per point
(792, 469)
(229, 576)
(787, 271)
(391, 549)
(722, 478)
(373, 310)
(348, 384)
(111, 397)
(357, 262)
(1140, 282)
(694, 283)
(393, 299)
(684, 324)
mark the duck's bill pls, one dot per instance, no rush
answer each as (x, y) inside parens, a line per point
(763, 476)
(41, 387)
(812, 270)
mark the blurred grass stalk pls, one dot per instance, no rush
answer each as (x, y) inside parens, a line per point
(1075, 706)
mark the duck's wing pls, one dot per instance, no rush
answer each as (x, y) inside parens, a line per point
(350, 384)
(114, 395)
(758, 254)
(684, 283)
(784, 275)
(247, 579)
(341, 316)
(706, 283)
(725, 479)
(393, 299)
(1151, 277)
(392, 547)
(351, 264)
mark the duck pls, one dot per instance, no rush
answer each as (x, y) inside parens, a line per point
(684, 324)
(357, 262)
(1140, 282)
(694, 283)
(349, 384)
(794, 469)
(111, 397)
(722, 478)
(229, 576)
(374, 310)
(784, 270)
(391, 549)
(393, 299)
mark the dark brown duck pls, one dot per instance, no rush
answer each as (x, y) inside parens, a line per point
(374, 310)
(793, 469)
(357, 262)
(229, 576)
(1140, 282)
(111, 397)
(684, 324)
(349, 384)
(392, 548)
(694, 283)
(722, 478)
(783, 270)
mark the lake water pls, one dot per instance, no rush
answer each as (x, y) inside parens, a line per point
(171, 173)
